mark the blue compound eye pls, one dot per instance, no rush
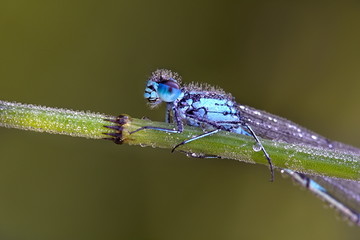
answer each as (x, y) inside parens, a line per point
(168, 91)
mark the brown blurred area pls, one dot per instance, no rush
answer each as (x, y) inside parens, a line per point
(294, 59)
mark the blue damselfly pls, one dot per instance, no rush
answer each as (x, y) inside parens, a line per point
(214, 110)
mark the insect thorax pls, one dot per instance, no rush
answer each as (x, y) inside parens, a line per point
(209, 110)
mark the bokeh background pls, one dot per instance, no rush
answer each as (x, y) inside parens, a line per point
(295, 59)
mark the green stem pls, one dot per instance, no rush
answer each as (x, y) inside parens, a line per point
(227, 145)
(52, 120)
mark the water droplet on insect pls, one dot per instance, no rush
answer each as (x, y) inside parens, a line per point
(257, 147)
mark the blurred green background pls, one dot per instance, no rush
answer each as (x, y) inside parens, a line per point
(294, 59)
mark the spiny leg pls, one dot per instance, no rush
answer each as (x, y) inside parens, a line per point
(168, 113)
(177, 120)
(263, 149)
(196, 138)
(168, 130)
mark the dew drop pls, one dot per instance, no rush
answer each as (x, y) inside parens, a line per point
(257, 147)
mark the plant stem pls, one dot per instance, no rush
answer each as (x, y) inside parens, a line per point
(52, 120)
(227, 145)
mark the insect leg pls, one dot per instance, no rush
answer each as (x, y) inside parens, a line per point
(263, 149)
(196, 138)
(177, 120)
(168, 113)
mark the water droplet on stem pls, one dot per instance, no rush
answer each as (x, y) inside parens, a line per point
(257, 147)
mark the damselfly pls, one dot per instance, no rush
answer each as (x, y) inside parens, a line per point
(214, 111)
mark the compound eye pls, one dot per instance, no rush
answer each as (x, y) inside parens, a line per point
(168, 91)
